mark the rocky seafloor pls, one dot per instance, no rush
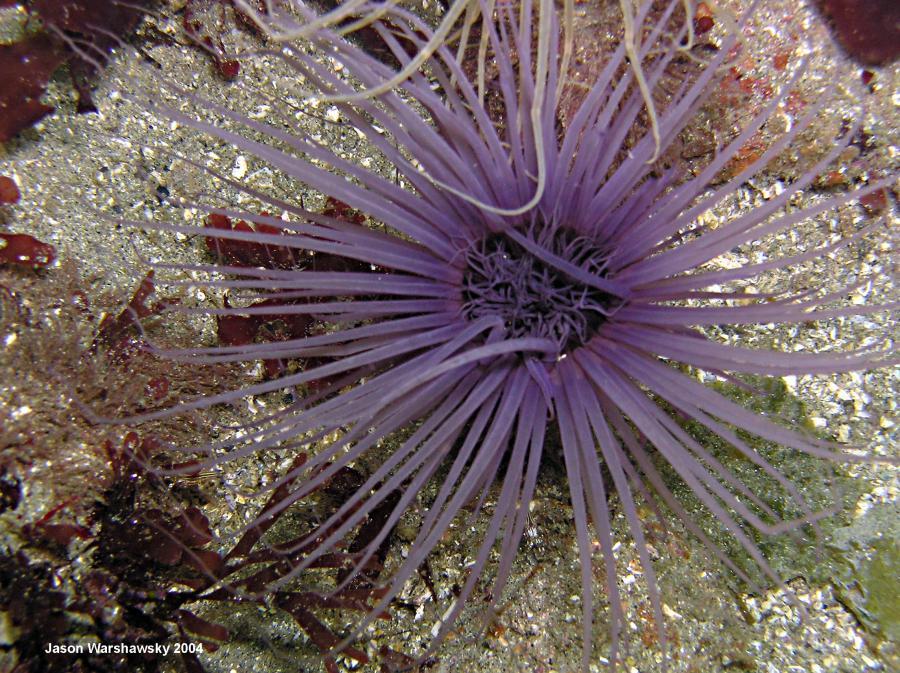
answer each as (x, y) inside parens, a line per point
(82, 176)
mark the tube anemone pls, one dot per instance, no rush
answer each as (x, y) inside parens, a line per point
(531, 279)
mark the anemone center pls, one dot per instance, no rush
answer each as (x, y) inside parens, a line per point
(533, 298)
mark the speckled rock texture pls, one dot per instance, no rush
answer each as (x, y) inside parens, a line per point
(86, 179)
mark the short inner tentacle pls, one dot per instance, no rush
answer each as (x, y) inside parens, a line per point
(505, 279)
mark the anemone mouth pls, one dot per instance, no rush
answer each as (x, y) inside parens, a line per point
(532, 297)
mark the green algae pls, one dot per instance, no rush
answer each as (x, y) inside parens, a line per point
(824, 485)
(867, 570)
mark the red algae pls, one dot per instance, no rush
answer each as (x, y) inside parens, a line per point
(25, 250)
(20, 249)
(118, 333)
(206, 32)
(875, 202)
(703, 19)
(869, 30)
(235, 329)
(9, 190)
(25, 70)
(27, 65)
(247, 253)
